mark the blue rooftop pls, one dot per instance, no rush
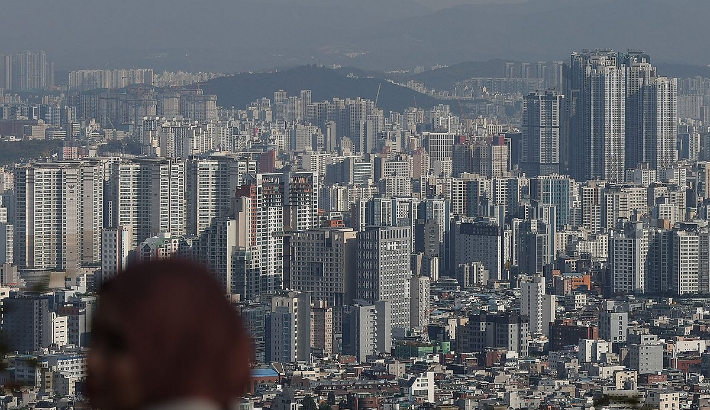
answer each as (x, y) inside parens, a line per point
(264, 373)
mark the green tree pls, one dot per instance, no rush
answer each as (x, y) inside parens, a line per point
(308, 403)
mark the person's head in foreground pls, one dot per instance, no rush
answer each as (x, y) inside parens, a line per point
(164, 333)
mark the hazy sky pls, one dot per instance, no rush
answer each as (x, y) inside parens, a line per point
(239, 35)
(440, 4)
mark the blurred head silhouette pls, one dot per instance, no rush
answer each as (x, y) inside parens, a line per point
(164, 331)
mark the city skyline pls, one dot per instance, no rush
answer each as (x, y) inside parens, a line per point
(537, 234)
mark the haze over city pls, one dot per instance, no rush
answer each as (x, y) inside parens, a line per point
(234, 36)
(354, 205)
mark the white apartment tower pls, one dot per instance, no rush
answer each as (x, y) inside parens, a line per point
(211, 184)
(537, 305)
(651, 114)
(629, 258)
(150, 197)
(439, 145)
(7, 238)
(59, 214)
(300, 200)
(597, 93)
(685, 262)
(367, 329)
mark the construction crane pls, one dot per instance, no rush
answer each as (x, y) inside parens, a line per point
(377, 97)
(463, 115)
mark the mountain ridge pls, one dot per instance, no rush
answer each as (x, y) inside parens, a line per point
(239, 90)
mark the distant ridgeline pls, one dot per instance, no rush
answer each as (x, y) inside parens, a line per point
(242, 89)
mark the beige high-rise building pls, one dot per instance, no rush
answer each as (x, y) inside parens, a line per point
(322, 329)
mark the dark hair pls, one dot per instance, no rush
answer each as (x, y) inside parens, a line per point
(186, 337)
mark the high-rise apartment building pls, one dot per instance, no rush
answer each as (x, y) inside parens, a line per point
(288, 328)
(322, 329)
(254, 321)
(597, 97)
(6, 72)
(537, 305)
(267, 225)
(150, 196)
(439, 145)
(652, 260)
(613, 325)
(211, 183)
(491, 158)
(224, 248)
(324, 265)
(622, 202)
(7, 237)
(383, 269)
(629, 258)
(279, 202)
(592, 197)
(93, 79)
(419, 290)
(31, 71)
(367, 329)
(651, 114)
(554, 190)
(58, 214)
(542, 130)
(622, 114)
(534, 241)
(300, 200)
(27, 323)
(685, 262)
(385, 211)
(478, 241)
(115, 250)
